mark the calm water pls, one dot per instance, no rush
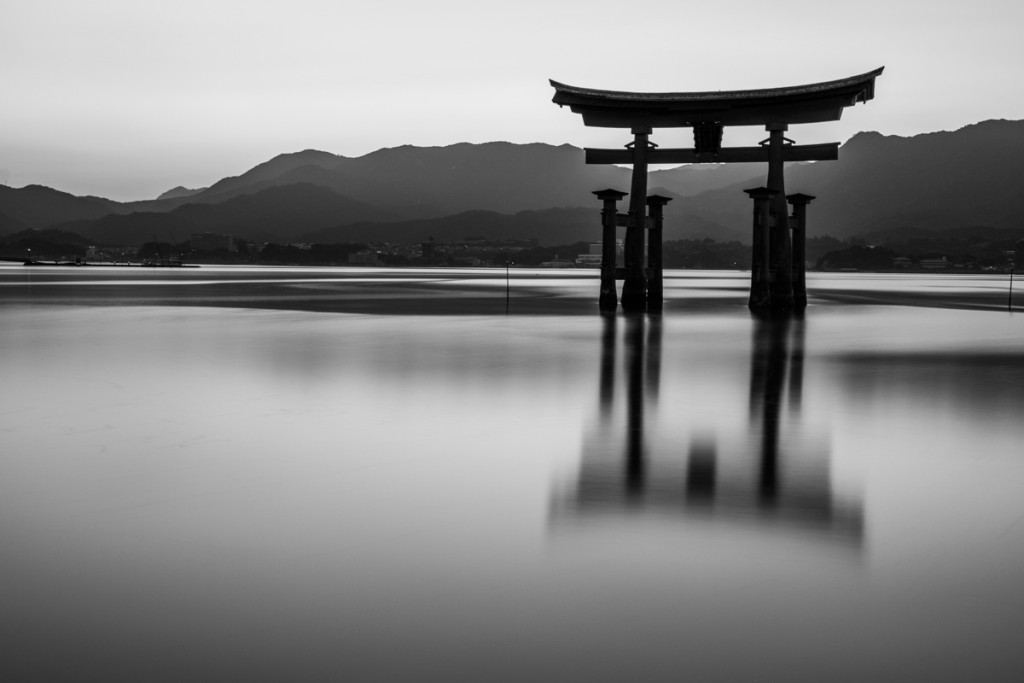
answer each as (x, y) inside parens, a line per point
(319, 474)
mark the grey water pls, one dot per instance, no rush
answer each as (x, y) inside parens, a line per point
(388, 475)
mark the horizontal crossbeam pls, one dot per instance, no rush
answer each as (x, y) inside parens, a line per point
(828, 151)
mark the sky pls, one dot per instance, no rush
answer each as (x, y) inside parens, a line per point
(128, 98)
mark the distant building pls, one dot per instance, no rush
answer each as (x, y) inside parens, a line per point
(588, 260)
(208, 241)
(592, 259)
(934, 263)
(364, 258)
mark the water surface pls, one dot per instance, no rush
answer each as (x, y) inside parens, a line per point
(340, 474)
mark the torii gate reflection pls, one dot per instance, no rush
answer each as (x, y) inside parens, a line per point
(774, 480)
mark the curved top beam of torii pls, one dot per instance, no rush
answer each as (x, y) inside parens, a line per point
(811, 103)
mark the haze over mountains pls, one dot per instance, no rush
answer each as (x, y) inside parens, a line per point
(499, 190)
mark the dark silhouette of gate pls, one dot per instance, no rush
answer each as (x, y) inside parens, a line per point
(777, 274)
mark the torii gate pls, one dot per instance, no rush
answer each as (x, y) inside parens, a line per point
(777, 265)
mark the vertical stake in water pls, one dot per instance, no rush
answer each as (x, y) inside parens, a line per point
(1009, 301)
(507, 264)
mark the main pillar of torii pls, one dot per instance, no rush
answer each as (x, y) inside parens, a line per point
(708, 113)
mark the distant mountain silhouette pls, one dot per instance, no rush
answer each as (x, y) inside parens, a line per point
(548, 226)
(429, 182)
(48, 235)
(9, 225)
(975, 235)
(179, 192)
(274, 214)
(687, 181)
(36, 206)
(932, 181)
(267, 174)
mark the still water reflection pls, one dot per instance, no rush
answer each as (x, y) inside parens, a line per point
(775, 478)
(241, 475)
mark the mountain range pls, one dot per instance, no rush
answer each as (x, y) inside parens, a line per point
(500, 190)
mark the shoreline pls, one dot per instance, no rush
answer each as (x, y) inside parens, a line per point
(544, 292)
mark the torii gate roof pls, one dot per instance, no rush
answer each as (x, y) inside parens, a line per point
(810, 103)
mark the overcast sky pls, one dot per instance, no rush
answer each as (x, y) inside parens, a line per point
(128, 98)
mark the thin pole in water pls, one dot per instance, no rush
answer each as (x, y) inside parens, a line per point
(507, 264)
(1009, 301)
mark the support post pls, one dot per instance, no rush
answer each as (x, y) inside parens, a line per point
(760, 293)
(799, 202)
(655, 267)
(609, 298)
(634, 288)
(781, 259)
